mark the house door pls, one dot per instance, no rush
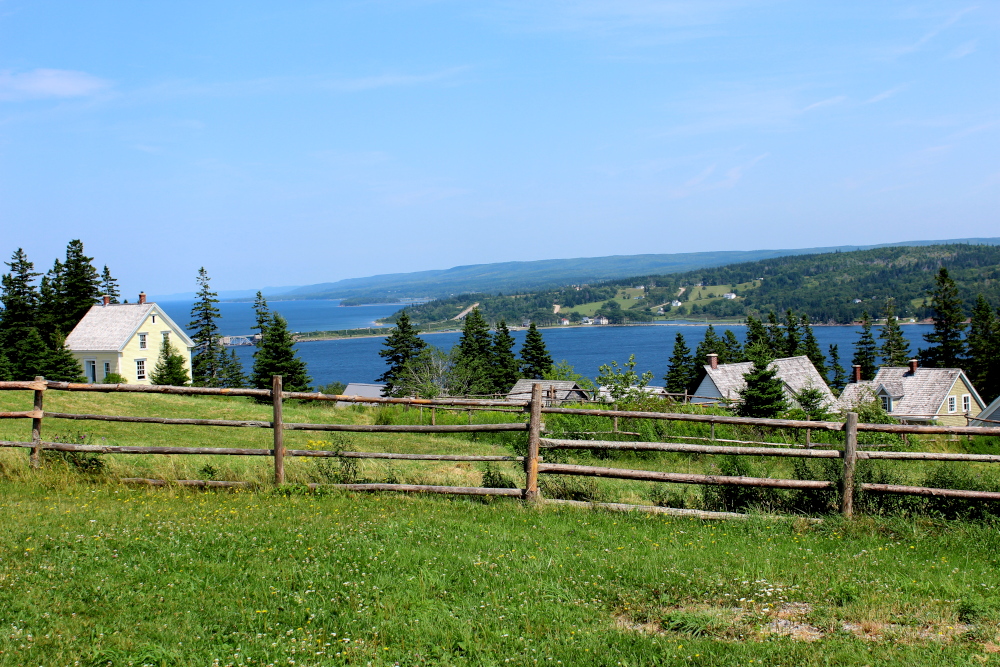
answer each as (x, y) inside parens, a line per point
(91, 370)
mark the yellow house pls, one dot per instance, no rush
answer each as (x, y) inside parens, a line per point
(125, 339)
(914, 394)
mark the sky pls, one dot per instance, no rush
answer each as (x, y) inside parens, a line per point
(303, 142)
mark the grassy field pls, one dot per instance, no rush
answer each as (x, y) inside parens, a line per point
(96, 573)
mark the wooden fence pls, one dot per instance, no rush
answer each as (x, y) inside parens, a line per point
(532, 462)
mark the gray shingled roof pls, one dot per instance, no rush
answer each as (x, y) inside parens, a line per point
(797, 373)
(110, 327)
(565, 390)
(919, 393)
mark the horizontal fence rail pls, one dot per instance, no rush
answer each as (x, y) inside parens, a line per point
(533, 463)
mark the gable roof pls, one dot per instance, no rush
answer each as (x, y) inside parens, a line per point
(797, 373)
(565, 390)
(919, 393)
(992, 413)
(111, 327)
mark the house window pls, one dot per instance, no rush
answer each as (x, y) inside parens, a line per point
(166, 337)
(952, 404)
(107, 367)
(140, 369)
(142, 341)
(886, 403)
(966, 403)
(154, 319)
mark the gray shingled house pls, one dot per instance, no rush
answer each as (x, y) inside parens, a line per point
(724, 382)
(553, 391)
(915, 394)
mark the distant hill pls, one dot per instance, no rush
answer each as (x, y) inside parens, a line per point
(510, 277)
(830, 287)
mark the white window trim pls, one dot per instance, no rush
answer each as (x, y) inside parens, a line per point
(886, 403)
(107, 368)
(143, 341)
(952, 404)
(966, 403)
(145, 373)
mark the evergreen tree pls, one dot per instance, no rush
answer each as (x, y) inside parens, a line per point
(109, 285)
(535, 359)
(681, 371)
(710, 344)
(169, 367)
(60, 364)
(6, 372)
(232, 375)
(947, 347)
(262, 313)
(810, 348)
(732, 351)
(80, 288)
(983, 341)
(19, 296)
(277, 357)
(51, 302)
(28, 354)
(776, 341)
(866, 349)
(763, 395)
(400, 346)
(474, 356)
(895, 349)
(206, 362)
(839, 380)
(793, 337)
(505, 368)
(757, 333)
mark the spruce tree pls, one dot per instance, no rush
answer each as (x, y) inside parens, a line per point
(80, 287)
(810, 348)
(262, 313)
(109, 285)
(776, 340)
(206, 363)
(793, 337)
(866, 349)
(895, 349)
(169, 369)
(732, 350)
(232, 375)
(505, 368)
(757, 333)
(29, 355)
(401, 345)
(983, 342)
(535, 359)
(710, 344)
(474, 355)
(947, 346)
(681, 371)
(839, 380)
(277, 357)
(6, 372)
(764, 395)
(60, 364)
(20, 341)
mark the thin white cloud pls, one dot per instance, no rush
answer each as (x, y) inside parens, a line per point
(963, 50)
(393, 80)
(704, 183)
(49, 83)
(885, 94)
(927, 37)
(826, 103)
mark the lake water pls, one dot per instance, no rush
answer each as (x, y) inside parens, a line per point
(586, 348)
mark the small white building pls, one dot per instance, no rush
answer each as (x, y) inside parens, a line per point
(676, 303)
(600, 319)
(125, 338)
(729, 295)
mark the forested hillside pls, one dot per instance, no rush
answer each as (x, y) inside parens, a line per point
(832, 287)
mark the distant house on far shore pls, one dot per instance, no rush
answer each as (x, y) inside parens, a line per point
(600, 319)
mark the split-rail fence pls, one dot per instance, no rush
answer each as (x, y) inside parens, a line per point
(533, 463)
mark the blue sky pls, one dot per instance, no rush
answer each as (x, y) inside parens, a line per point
(303, 142)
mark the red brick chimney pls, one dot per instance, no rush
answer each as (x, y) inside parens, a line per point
(107, 300)
(857, 373)
(913, 366)
(713, 361)
(142, 298)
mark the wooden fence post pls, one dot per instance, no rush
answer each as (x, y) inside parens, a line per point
(433, 416)
(850, 457)
(36, 427)
(534, 440)
(277, 425)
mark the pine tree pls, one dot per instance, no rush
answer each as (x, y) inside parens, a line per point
(81, 287)
(839, 380)
(505, 368)
(19, 296)
(866, 349)
(6, 372)
(764, 395)
(28, 354)
(262, 313)
(277, 357)
(895, 349)
(535, 359)
(474, 356)
(169, 367)
(757, 333)
(109, 285)
(51, 302)
(681, 371)
(810, 348)
(206, 363)
(400, 346)
(776, 341)
(232, 375)
(732, 351)
(947, 347)
(60, 364)
(710, 344)
(983, 342)
(793, 337)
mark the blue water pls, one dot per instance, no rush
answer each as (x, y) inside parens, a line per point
(586, 348)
